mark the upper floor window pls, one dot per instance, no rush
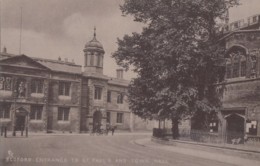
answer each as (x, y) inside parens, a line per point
(36, 112)
(64, 88)
(109, 96)
(120, 98)
(63, 113)
(5, 83)
(5, 111)
(98, 93)
(236, 65)
(37, 86)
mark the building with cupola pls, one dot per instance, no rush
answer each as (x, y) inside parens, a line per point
(61, 96)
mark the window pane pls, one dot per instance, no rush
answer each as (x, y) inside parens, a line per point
(1, 113)
(39, 114)
(108, 117)
(228, 71)
(67, 89)
(109, 96)
(66, 114)
(243, 68)
(60, 114)
(119, 118)
(61, 87)
(236, 70)
(98, 93)
(32, 114)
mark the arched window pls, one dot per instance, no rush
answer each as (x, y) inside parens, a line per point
(236, 63)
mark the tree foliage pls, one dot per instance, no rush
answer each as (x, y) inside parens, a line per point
(176, 56)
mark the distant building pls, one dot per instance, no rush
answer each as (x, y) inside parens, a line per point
(55, 95)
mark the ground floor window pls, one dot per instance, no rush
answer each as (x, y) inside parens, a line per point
(119, 118)
(108, 117)
(63, 113)
(36, 112)
(4, 111)
(251, 127)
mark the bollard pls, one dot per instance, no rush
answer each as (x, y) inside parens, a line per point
(5, 131)
(26, 131)
(22, 132)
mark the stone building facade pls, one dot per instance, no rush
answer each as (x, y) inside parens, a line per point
(55, 95)
(240, 112)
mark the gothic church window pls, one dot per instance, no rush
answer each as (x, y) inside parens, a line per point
(236, 64)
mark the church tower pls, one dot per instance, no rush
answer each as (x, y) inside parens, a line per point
(94, 55)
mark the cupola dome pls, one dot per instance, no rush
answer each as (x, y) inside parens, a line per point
(94, 45)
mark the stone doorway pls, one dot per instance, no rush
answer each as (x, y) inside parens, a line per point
(97, 120)
(21, 119)
(235, 127)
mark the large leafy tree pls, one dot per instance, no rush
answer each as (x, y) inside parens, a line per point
(176, 57)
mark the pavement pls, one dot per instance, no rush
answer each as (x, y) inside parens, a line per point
(222, 155)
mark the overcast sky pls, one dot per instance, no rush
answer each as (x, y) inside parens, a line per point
(53, 28)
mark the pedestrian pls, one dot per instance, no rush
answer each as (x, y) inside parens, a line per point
(113, 128)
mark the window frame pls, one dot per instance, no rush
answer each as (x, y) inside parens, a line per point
(119, 117)
(36, 112)
(39, 86)
(236, 65)
(109, 95)
(120, 98)
(64, 88)
(98, 93)
(5, 112)
(63, 114)
(4, 83)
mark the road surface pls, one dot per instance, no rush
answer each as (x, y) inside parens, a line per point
(87, 150)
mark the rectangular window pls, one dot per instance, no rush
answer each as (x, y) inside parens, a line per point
(64, 88)
(120, 98)
(4, 111)
(108, 117)
(36, 112)
(119, 118)
(37, 86)
(98, 93)
(109, 96)
(243, 68)
(5, 83)
(63, 114)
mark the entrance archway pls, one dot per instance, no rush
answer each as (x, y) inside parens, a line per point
(235, 127)
(20, 119)
(97, 118)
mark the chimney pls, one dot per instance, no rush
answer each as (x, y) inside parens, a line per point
(119, 73)
(4, 50)
(59, 58)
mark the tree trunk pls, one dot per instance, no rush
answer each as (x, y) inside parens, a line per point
(175, 128)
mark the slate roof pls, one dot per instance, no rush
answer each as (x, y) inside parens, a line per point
(54, 65)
